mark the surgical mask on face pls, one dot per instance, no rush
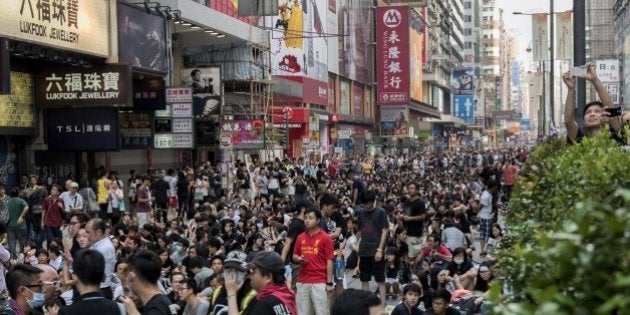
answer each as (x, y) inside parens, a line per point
(37, 301)
(177, 248)
(458, 261)
(259, 225)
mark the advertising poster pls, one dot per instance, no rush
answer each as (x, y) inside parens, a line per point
(316, 52)
(141, 38)
(331, 95)
(462, 81)
(540, 36)
(394, 121)
(287, 39)
(357, 100)
(354, 27)
(416, 46)
(392, 62)
(206, 87)
(344, 97)
(464, 108)
(82, 129)
(333, 43)
(243, 132)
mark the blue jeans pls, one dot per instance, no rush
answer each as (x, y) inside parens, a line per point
(51, 232)
(35, 232)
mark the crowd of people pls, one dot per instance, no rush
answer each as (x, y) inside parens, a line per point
(289, 237)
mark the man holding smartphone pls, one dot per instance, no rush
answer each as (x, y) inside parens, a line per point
(596, 114)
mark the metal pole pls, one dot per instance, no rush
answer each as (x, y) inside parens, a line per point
(579, 53)
(543, 105)
(552, 79)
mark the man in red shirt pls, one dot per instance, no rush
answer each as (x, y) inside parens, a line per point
(52, 214)
(437, 253)
(333, 168)
(314, 251)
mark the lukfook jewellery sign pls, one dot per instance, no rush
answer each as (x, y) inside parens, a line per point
(96, 86)
(80, 25)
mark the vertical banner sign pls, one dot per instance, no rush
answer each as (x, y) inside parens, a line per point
(463, 107)
(608, 73)
(392, 40)
(540, 36)
(564, 35)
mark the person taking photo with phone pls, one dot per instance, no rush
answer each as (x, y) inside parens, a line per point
(596, 114)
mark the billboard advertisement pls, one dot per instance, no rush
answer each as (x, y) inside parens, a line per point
(462, 81)
(394, 121)
(243, 132)
(299, 46)
(416, 47)
(333, 43)
(354, 26)
(357, 100)
(206, 89)
(392, 38)
(344, 97)
(464, 108)
(141, 38)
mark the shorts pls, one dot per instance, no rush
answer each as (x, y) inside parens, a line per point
(415, 246)
(485, 228)
(368, 268)
(172, 202)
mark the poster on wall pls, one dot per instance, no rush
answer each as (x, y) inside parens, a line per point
(463, 107)
(354, 26)
(315, 52)
(243, 132)
(344, 97)
(462, 81)
(416, 44)
(394, 121)
(141, 38)
(206, 86)
(357, 100)
(287, 39)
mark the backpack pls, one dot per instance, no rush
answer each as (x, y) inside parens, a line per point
(466, 306)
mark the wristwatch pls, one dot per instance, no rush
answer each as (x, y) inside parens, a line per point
(330, 284)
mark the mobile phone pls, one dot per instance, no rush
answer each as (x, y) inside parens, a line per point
(579, 71)
(614, 111)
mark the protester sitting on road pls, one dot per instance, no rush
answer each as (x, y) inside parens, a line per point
(357, 302)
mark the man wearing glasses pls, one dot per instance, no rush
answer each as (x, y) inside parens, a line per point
(49, 278)
(25, 290)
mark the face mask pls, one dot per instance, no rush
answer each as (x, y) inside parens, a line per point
(259, 225)
(37, 301)
(458, 261)
(177, 248)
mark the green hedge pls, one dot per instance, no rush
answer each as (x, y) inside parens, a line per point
(568, 246)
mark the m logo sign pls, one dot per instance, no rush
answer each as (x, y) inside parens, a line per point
(392, 18)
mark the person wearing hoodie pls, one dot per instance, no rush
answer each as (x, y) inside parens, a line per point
(266, 272)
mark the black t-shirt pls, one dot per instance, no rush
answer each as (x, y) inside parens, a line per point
(414, 208)
(182, 189)
(295, 228)
(243, 179)
(360, 187)
(161, 191)
(330, 224)
(371, 225)
(157, 305)
(270, 305)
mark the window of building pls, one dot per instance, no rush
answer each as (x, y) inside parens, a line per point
(468, 45)
(467, 5)
(467, 18)
(467, 31)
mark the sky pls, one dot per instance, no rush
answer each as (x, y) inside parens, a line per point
(521, 25)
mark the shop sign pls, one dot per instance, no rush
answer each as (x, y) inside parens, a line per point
(392, 38)
(181, 125)
(173, 141)
(206, 132)
(166, 112)
(96, 86)
(344, 133)
(135, 130)
(149, 93)
(182, 110)
(291, 126)
(79, 25)
(83, 129)
(179, 95)
(226, 142)
(162, 125)
(163, 141)
(183, 141)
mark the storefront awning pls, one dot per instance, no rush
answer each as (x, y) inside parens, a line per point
(424, 109)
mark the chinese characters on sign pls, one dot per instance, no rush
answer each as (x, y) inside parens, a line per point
(540, 36)
(84, 129)
(96, 86)
(63, 13)
(243, 132)
(608, 71)
(393, 51)
(135, 130)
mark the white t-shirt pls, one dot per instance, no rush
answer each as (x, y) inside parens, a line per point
(486, 202)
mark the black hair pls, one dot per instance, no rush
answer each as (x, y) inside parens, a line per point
(177, 273)
(147, 265)
(354, 302)
(54, 249)
(195, 262)
(593, 103)
(89, 266)
(442, 294)
(368, 197)
(3, 228)
(20, 275)
(412, 287)
(318, 214)
(328, 199)
(99, 224)
(15, 192)
(191, 284)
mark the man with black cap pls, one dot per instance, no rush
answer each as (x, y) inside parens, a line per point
(234, 265)
(266, 273)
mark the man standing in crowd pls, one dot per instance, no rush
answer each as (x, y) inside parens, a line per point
(161, 188)
(374, 227)
(72, 200)
(509, 178)
(25, 290)
(96, 230)
(144, 272)
(413, 221)
(18, 208)
(295, 229)
(485, 214)
(52, 214)
(314, 252)
(89, 269)
(144, 201)
(267, 278)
